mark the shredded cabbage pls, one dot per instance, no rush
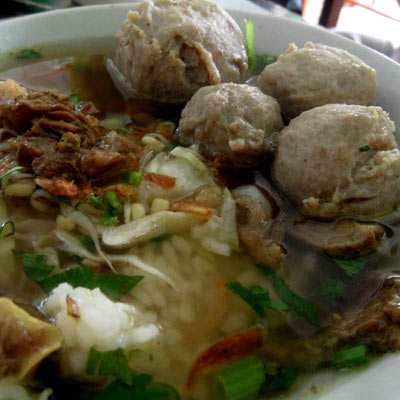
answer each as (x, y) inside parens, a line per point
(72, 245)
(183, 164)
(85, 222)
(219, 233)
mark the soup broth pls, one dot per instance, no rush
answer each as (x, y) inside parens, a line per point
(193, 308)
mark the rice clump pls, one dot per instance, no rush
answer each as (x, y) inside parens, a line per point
(97, 322)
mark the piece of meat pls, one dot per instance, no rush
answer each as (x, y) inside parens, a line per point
(59, 142)
(57, 164)
(115, 142)
(346, 238)
(26, 150)
(24, 340)
(61, 187)
(45, 113)
(378, 323)
(231, 124)
(339, 160)
(260, 226)
(315, 75)
(168, 49)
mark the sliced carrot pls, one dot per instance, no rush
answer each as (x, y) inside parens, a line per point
(226, 351)
(164, 181)
(191, 207)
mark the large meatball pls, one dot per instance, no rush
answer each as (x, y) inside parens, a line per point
(337, 160)
(170, 48)
(315, 75)
(230, 123)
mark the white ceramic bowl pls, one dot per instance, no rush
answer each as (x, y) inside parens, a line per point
(91, 30)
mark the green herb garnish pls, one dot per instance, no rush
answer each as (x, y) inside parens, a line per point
(128, 385)
(351, 357)
(97, 201)
(364, 148)
(242, 380)
(332, 288)
(26, 54)
(298, 305)
(111, 205)
(88, 243)
(265, 59)
(283, 380)
(250, 46)
(351, 266)
(60, 199)
(35, 266)
(141, 388)
(112, 363)
(257, 297)
(133, 178)
(3, 227)
(170, 147)
(114, 286)
(75, 99)
(10, 171)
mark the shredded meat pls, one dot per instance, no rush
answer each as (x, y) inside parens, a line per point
(61, 143)
(377, 324)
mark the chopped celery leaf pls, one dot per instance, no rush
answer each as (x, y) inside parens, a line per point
(7, 229)
(297, 304)
(257, 297)
(364, 148)
(35, 266)
(114, 286)
(332, 288)
(128, 385)
(109, 363)
(242, 380)
(111, 205)
(250, 45)
(26, 54)
(142, 388)
(265, 59)
(88, 243)
(97, 201)
(75, 98)
(133, 178)
(351, 357)
(64, 200)
(351, 266)
(283, 380)
(170, 147)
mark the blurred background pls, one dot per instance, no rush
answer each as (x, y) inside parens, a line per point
(375, 23)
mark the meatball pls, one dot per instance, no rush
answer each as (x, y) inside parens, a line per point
(230, 123)
(315, 75)
(168, 49)
(338, 160)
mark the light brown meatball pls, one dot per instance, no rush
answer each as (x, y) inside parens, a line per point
(315, 75)
(337, 160)
(231, 123)
(170, 48)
